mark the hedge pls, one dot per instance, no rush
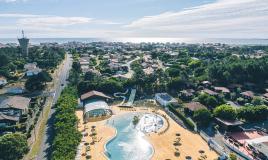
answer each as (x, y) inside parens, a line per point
(67, 137)
(185, 120)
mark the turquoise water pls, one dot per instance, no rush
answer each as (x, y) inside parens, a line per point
(129, 143)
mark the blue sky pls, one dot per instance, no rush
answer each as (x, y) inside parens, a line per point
(135, 18)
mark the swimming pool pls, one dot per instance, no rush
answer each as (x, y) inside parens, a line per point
(129, 143)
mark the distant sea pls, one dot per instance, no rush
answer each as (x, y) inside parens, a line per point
(139, 40)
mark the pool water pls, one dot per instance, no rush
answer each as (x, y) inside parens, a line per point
(129, 143)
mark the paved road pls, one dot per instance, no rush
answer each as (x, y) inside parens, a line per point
(45, 152)
(130, 71)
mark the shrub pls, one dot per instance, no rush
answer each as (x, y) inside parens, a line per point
(226, 112)
(187, 122)
(254, 113)
(202, 117)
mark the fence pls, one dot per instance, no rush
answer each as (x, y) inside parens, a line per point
(213, 144)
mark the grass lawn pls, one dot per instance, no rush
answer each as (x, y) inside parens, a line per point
(41, 131)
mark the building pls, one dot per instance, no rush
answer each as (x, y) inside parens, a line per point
(15, 89)
(191, 107)
(6, 120)
(265, 96)
(164, 99)
(32, 69)
(229, 125)
(3, 81)
(14, 105)
(247, 95)
(206, 83)
(209, 92)
(95, 106)
(24, 45)
(250, 144)
(223, 90)
(187, 94)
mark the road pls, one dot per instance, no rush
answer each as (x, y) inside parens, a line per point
(45, 148)
(130, 71)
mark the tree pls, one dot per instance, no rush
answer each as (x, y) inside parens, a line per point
(232, 156)
(135, 120)
(44, 76)
(13, 146)
(225, 112)
(173, 72)
(257, 101)
(76, 66)
(254, 113)
(177, 84)
(33, 83)
(90, 76)
(67, 137)
(202, 116)
(37, 82)
(4, 60)
(208, 100)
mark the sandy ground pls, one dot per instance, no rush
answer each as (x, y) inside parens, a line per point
(104, 133)
(191, 143)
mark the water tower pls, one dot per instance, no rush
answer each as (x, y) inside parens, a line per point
(24, 44)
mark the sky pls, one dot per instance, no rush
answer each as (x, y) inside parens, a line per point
(134, 18)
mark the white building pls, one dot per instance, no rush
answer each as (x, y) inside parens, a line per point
(164, 99)
(3, 81)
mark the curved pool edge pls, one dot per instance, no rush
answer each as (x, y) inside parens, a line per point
(108, 141)
(114, 136)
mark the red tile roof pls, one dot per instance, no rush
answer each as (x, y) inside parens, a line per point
(248, 94)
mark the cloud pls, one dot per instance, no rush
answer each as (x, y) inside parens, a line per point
(12, 1)
(221, 19)
(53, 21)
(17, 15)
(50, 20)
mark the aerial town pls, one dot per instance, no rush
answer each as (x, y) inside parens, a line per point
(114, 100)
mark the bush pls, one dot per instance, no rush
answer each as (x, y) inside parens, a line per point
(232, 156)
(254, 113)
(225, 112)
(187, 122)
(202, 117)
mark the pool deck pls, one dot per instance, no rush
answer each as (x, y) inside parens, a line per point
(163, 146)
(104, 133)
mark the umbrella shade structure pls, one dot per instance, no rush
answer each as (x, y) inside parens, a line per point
(201, 151)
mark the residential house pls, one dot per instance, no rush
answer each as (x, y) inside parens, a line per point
(14, 105)
(222, 90)
(32, 69)
(209, 92)
(206, 84)
(186, 94)
(84, 61)
(249, 95)
(228, 125)
(191, 107)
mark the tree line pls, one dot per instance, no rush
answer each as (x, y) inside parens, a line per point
(67, 137)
